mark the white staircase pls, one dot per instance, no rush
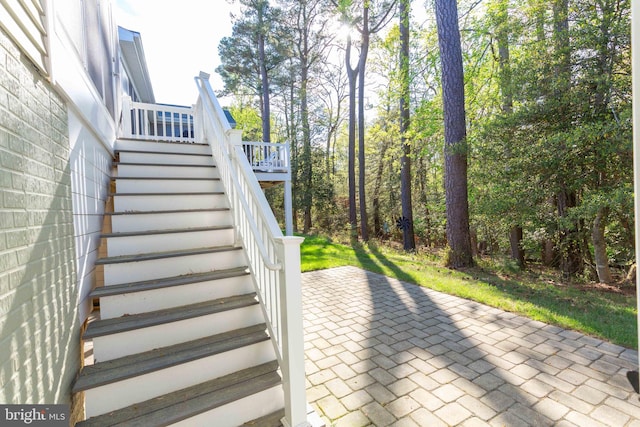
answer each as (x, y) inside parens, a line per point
(181, 338)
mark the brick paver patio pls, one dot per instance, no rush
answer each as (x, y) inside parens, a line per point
(383, 352)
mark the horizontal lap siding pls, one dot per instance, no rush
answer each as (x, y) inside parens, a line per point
(24, 21)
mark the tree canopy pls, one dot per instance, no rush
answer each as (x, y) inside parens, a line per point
(545, 136)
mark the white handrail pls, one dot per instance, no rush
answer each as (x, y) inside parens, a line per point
(274, 259)
(235, 182)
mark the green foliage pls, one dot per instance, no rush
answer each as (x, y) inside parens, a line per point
(552, 118)
(240, 68)
(573, 139)
(248, 120)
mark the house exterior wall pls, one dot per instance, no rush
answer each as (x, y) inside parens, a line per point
(57, 133)
(39, 322)
(90, 163)
(88, 85)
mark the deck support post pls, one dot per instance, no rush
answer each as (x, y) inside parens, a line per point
(288, 208)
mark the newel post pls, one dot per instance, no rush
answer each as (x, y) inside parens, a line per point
(126, 124)
(235, 139)
(292, 333)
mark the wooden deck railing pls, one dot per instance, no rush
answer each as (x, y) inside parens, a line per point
(157, 122)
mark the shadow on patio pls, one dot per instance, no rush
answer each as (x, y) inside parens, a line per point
(383, 352)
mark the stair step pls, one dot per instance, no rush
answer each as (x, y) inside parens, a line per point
(123, 144)
(173, 171)
(148, 285)
(153, 318)
(115, 370)
(143, 202)
(167, 152)
(167, 231)
(134, 184)
(162, 178)
(162, 255)
(182, 290)
(119, 269)
(168, 219)
(140, 242)
(164, 158)
(186, 403)
(173, 165)
(270, 420)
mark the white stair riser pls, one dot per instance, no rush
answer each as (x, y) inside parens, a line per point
(117, 395)
(147, 243)
(112, 346)
(146, 203)
(165, 159)
(154, 171)
(169, 267)
(169, 221)
(162, 147)
(240, 411)
(150, 185)
(158, 299)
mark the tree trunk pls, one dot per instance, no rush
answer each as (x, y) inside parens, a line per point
(455, 151)
(506, 89)
(515, 239)
(293, 145)
(364, 50)
(377, 223)
(307, 172)
(600, 246)
(571, 261)
(548, 253)
(408, 237)
(266, 108)
(351, 75)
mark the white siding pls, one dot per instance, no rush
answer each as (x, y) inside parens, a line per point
(24, 21)
(90, 171)
(69, 41)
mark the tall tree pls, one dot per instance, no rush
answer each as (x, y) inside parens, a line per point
(309, 44)
(455, 152)
(367, 27)
(571, 261)
(500, 15)
(602, 29)
(408, 237)
(561, 149)
(352, 74)
(365, 34)
(251, 53)
(367, 20)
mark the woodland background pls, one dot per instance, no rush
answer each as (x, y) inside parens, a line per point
(525, 152)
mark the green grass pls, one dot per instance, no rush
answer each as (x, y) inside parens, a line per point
(540, 296)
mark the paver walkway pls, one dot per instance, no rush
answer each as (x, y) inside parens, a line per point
(383, 352)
